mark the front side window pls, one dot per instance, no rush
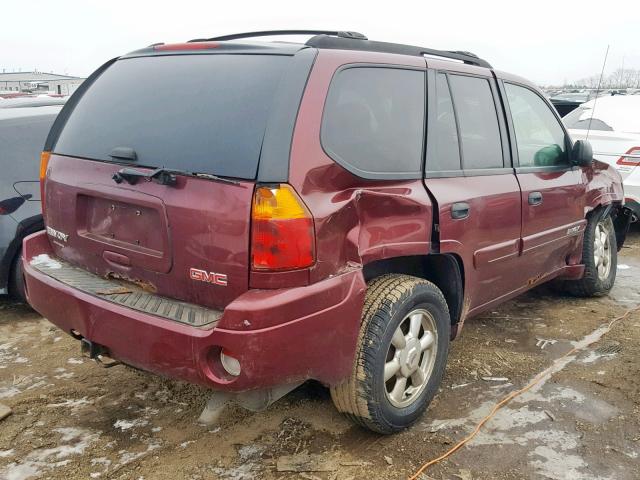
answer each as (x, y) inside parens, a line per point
(373, 121)
(539, 135)
(477, 121)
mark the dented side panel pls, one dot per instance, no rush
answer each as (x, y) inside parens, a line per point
(357, 221)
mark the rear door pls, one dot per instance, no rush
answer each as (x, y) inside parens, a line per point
(468, 171)
(553, 191)
(203, 114)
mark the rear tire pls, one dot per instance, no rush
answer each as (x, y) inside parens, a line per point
(400, 357)
(599, 257)
(16, 280)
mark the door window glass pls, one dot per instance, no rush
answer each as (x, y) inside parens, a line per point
(539, 135)
(478, 122)
(446, 155)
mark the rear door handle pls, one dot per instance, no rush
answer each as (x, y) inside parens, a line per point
(535, 198)
(460, 210)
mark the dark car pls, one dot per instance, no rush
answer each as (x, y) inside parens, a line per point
(248, 216)
(24, 125)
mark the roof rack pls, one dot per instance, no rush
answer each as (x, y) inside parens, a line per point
(326, 41)
(347, 40)
(271, 33)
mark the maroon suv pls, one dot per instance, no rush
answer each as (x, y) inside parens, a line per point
(248, 216)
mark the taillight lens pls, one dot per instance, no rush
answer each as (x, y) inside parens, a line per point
(44, 164)
(630, 161)
(282, 233)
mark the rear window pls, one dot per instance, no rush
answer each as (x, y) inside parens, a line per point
(199, 113)
(373, 121)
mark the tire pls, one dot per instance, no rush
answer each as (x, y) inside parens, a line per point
(366, 397)
(16, 279)
(599, 243)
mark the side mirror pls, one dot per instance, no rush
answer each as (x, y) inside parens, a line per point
(582, 153)
(10, 205)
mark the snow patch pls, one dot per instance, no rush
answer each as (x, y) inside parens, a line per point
(74, 405)
(36, 462)
(45, 260)
(129, 424)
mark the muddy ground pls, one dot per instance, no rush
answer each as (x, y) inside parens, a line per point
(73, 419)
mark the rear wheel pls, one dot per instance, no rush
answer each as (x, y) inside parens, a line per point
(401, 354)
(600, 258)
(16, 281)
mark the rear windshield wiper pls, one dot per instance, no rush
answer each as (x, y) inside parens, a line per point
(163, 176)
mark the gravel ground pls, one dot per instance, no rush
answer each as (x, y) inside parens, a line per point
(73, 419)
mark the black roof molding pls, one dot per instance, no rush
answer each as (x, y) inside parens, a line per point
(346, 40)
(332, 42)
(271, 33)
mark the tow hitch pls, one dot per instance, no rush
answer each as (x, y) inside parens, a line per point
(97, 352)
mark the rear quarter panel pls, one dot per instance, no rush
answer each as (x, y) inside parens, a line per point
(357, 221)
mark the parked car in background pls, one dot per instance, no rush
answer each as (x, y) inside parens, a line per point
(24, 125)
(613, 126)
(251, 215)
(567, 102)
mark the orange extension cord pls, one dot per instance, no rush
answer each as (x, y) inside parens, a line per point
(510, 397)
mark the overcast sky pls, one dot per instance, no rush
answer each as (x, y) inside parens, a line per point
(547, 41)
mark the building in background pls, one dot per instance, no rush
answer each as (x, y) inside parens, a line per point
(38, 82)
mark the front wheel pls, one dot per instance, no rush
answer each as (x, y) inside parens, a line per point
(600, 258)
(401, 354)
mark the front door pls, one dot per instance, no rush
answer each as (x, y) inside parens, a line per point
(553, 193)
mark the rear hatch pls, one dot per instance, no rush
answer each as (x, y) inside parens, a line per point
(184, 234)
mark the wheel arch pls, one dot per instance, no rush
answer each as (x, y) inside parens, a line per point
(620, 215)
(25, 228)
(446, 271)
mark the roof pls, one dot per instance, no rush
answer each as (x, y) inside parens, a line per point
(238, 47)
(620, 112)
(34, 77)
(39, 101)
(11, 114)
(321, 39)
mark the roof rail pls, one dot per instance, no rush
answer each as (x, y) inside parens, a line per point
(270, 33)
(346, 40)
(349, 43)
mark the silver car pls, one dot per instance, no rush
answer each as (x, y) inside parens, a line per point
(24, 125)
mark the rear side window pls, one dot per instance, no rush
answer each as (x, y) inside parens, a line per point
(446, 155)
(199, 113)
(373, 121)
(539, 135)
(478, 122)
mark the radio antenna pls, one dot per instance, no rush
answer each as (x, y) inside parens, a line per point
(595, 100)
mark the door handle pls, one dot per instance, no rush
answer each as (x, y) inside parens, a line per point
(460, 210)
(535, 198)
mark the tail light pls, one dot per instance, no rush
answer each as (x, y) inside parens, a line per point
(282, 233)
(632, 161)
(44, 164)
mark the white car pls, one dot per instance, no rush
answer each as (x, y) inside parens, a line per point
(613, 126)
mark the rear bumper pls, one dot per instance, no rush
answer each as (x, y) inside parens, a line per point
(284, 336)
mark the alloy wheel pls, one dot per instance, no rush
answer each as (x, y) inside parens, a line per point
(410, 358)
